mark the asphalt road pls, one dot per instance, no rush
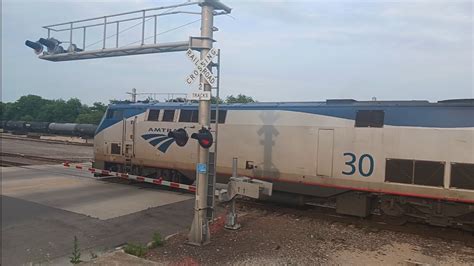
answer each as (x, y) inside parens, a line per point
(44, 207)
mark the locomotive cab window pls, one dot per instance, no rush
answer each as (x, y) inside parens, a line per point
(188, 116)
(222, 115)
(369, 118)
(153, 115)
(168, 116)
(114, 114)
(462, 175)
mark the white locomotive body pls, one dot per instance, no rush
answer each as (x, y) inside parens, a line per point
(409, 158)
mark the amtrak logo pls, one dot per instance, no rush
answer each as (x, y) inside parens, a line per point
(161, 140)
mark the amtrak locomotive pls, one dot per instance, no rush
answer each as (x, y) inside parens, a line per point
(409, 160)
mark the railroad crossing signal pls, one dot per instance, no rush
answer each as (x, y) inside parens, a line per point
(36, 46)
(201, 66)
(180, 136)
(204, 137)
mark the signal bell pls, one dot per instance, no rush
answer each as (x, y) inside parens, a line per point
(180, 136)
(204, 137)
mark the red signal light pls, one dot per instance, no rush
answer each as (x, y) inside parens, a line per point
(204, 137)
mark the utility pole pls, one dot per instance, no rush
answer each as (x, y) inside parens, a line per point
(134, 95)
(200, 234)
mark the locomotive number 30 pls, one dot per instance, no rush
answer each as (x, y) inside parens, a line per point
(353, 168)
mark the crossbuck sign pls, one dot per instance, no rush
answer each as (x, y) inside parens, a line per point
(201, 67)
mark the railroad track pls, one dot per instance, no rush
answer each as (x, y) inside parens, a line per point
(374, 222)
(4, 136)
(9, 163)
(8, 159)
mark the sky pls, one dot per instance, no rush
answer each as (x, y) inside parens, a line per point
(271, 50)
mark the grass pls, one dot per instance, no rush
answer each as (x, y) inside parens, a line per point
(75, 257)
(135, 249)
(157, 240)
(140, 250)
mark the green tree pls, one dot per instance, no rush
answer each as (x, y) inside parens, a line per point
(35, 108)
(27, 118)
(4, 109)
(239, 99)
(28, 106)
(92, 115)
(214, 100)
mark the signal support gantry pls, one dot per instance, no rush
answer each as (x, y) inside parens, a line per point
(199, 234)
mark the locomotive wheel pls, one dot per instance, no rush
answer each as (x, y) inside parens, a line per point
(395, 220)
(393, 212)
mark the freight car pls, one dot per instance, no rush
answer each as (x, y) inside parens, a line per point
(68, 129)
(38, 127)
(85, 130)
(73, 129)
(17, 127)
(63, 128)
(408, 159)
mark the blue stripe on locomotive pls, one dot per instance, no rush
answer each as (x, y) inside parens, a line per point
(396, 113)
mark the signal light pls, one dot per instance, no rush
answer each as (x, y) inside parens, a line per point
(36, 46)
(180, 136)
(53, 45)
(204, 138)
(50, 43)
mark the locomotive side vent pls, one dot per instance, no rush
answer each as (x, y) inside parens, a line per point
(425, 173)
(115, 148)
(462, 175)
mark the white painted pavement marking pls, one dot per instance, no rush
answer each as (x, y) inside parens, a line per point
(62, 188)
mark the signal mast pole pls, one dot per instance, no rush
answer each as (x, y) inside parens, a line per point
(200, 234)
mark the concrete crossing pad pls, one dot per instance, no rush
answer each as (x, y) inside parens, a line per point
(80, 192)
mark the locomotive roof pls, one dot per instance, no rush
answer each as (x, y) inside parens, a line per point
(328, 103)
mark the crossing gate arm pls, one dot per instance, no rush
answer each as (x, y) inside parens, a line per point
(154, 181)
